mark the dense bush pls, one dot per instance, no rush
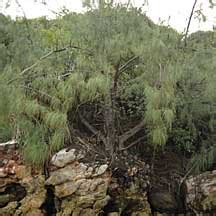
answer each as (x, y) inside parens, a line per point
(112, 73)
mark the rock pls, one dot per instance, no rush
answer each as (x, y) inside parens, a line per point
(89, 172)
(9, 209)
(4, 199)
(10, 167)
(138, 213)
(22, 172)
(84, 187)
(35, 198)
(73, 188)
(99, 204)
(113, 214)
(4, 182)
(2, 173)
(81, 188)
(163, 201)
(101, 170)
(36, 212)
(85, 201)
(65, 157)
(67, 188)
(77, 212)
(69, 173)
(201, 192)
(68, 204)
(87, 212)
(66, 212)
(96, 183)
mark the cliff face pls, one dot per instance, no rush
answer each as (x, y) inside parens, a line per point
(75, 187)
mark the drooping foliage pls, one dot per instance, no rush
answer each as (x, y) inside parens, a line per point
(110, 73)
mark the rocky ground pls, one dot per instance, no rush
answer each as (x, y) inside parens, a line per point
(75, 187)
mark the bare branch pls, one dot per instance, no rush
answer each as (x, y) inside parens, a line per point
(92, 128)
(47, 55)
(36, 63)
(124, 137)
(9, 144)
(44, 57)
(128, 63)
(189, 22)
(132, 144)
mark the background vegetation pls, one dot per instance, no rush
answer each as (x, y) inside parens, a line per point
(111, 75)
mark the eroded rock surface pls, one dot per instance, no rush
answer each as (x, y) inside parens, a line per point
(66, 156)
(78, 188)
(81, 187)
(22, 194)
(201, 192)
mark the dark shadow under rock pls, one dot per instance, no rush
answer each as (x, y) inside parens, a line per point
(12, 192)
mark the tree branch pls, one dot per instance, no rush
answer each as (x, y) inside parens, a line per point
(189, 22)
(128, 63)
(124, 137)
(49, 54)
(92, 128)
(8, 144)
(37, 91)
(44, 57)
(132, 144)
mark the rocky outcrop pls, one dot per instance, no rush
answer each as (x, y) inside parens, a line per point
(74, 187)
(82, 188)
(128, 188)
(201, 192)
(21, 193)
(78, 186)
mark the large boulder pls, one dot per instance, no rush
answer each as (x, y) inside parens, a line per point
(201, 192)
(163, 201)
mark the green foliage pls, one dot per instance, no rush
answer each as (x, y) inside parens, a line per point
(35, 148)
(6, 129)
(170, 87)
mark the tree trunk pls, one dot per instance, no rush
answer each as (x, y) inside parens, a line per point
(109, 116)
